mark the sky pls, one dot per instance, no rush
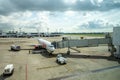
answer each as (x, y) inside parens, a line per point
(59, 15)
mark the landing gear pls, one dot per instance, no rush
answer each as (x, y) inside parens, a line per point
(68, 52)
(50, 54)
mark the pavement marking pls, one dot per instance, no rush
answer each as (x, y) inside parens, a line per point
(26, 75)
(104, 69)
(85, 73)
(48, 67)
(68, 68)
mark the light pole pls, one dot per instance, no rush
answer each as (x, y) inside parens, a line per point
(20, 30)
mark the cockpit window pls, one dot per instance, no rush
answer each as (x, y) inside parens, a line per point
(51, 46)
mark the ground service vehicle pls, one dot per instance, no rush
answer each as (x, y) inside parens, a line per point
(8, 69)
(15, 48)
(60, 59)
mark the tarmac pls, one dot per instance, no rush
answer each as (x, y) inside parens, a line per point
(93, 63)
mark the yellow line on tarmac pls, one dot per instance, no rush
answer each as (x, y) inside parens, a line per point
(48, 67)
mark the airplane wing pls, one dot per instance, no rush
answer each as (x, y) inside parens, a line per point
(36, 46)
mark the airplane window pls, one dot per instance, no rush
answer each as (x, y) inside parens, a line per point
(51, 46)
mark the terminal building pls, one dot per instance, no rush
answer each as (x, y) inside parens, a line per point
(16, 34)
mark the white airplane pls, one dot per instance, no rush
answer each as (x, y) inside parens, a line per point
(44, 44)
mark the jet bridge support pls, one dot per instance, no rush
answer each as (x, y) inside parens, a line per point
(116, 41)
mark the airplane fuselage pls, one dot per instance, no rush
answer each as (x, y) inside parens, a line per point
(46, 45)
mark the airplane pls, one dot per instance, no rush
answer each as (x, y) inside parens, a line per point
(44, 44)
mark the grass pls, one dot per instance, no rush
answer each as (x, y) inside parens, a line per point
(86, 34)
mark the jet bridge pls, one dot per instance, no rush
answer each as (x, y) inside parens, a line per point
(116, 41)
(69, 43)
(113, 43)
(82, 42)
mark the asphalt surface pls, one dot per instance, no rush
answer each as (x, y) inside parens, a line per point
(93, 63)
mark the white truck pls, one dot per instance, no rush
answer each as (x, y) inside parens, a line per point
(15, 48)
(60, 59)
(9, 69)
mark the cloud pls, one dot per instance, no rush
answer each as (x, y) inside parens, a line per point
(69, 21)
(57, 14)
(95, 26)
(11, 6)
(27, 21)
(95, 5)
(5, 26)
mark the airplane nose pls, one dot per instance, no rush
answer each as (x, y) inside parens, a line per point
(53, 49)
